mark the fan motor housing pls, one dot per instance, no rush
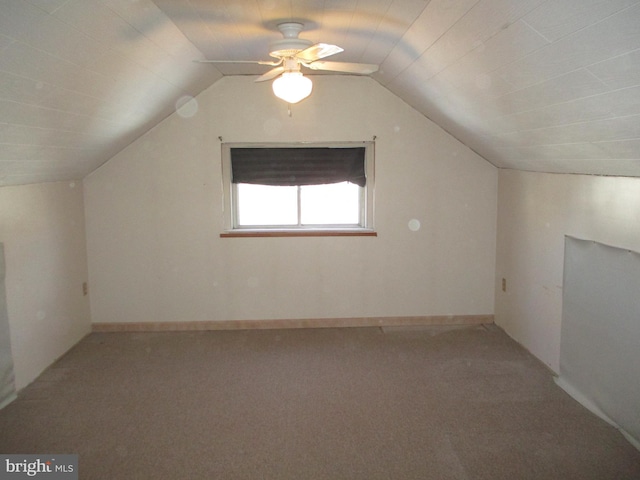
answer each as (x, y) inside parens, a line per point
(288, 48)
(290, 44)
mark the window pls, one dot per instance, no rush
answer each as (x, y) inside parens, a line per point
(298, 188)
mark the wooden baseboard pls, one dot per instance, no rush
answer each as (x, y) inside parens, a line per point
(294, 323)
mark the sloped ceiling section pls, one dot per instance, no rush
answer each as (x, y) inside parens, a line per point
(539, 85)
(82, 79)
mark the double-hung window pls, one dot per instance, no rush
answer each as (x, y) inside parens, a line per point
(309, 188)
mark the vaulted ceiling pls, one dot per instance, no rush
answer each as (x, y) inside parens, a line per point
(539, 85)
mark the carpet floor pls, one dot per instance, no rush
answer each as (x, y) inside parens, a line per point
(353, 403)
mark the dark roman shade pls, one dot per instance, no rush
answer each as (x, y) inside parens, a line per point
(298, 165)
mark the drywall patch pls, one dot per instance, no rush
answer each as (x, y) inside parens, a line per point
(7, 379)
(599, 355)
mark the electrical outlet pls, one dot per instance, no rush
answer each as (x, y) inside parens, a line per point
(504, 284)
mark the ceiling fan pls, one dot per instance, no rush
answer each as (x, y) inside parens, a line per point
(290, 53)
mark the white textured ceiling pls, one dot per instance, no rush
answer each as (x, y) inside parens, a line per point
(541, 85)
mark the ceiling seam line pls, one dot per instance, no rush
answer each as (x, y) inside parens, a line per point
(573, 124)
(432, 44)
(579, 99)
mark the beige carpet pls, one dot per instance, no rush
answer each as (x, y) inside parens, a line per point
(353, 403)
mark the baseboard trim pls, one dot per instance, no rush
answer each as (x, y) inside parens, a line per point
(294, 323)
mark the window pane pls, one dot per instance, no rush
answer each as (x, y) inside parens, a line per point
(334, 204)
(267, 205)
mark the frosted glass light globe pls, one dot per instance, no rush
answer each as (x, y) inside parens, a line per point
(292, 87)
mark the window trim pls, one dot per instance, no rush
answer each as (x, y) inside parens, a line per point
(367, 199)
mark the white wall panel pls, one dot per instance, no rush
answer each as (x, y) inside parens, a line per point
(559, 18)
(615, 35)
(42, 228)
(22, 59)
(535, 212)
(23, 135)
(619, 72)
(49, 6)
(7, 376)
(478, 25)
(473, 73)
(576, 84)
(36, 116)
(154, 215)
(147, 19)
(614, 129)
(438, 17)
(596, 107)
(599, 354)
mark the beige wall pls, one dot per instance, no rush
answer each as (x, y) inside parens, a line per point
(42, 228)
(535, 212)
(154, 216)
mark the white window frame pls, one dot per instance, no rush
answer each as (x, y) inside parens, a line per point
(366, 200)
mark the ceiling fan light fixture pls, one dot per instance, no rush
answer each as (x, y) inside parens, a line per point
(292, 87)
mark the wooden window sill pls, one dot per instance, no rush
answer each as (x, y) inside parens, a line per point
(300, 233)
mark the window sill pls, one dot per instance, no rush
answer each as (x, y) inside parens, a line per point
(298, 233)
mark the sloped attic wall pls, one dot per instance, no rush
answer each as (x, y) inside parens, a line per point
(154, 217)
(42, 228)
(535, 212)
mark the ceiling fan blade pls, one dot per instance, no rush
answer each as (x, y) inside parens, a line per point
(318, 51)
(357, 68)
(273, 73)
(254, 62)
